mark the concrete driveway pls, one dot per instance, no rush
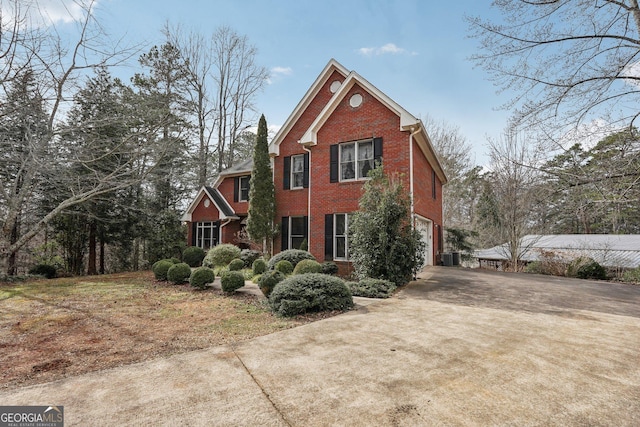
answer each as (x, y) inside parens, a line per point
(457, 347)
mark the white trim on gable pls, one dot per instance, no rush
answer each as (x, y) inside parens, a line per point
(332, 65)
(196, 201)
(407, 120)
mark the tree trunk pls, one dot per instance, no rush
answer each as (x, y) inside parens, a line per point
(91, 269)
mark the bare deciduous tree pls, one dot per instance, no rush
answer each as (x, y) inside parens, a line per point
(569, 61)
(54, 67)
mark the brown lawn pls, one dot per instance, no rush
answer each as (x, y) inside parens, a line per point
(50, 329)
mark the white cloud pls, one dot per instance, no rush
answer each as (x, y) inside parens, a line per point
(278, 72)
(389, 48)
(587, 134)
(284, 71)
(43, 13)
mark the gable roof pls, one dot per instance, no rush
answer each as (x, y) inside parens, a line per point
(332, 65)
(243, 168)
(408, 122)
(226, 211)
(609, 250)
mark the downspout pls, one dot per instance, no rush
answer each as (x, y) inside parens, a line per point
(304, 147)
(227, 221)
(413, 213)
(413, 132)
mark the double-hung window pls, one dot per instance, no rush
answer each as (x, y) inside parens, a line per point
(297, 225)
(352, 161)
(244, 188)
(297, 171)
(341, 237)
(356, 160)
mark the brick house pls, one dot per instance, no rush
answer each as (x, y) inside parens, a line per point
(320, 159)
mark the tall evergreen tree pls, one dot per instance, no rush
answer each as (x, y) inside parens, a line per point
(262, 201)
(383, 244)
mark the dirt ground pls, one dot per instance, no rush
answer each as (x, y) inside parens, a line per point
(51, 329)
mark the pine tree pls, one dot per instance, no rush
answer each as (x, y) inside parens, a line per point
(262, 201)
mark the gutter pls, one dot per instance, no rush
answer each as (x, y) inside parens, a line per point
(413, 132)
(304, 147)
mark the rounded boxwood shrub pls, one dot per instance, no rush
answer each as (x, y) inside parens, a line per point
(310, 293)
(201, 277)
(45, 270)
(179, 273)
(236, 265)
(307, 266)
(193, 256)
(249, 256)
(372, 288)
(221, 255)
(632, 276)
(231, 281)
(586, 268)
(268, 280)
(591, 270)
(294, 256)
(259, 266)
(160, 268)
(329, 267)
(284, 267)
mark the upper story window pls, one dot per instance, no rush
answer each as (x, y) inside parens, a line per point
(351, 161)
(356, 160)
(241, 188)
(297, 171)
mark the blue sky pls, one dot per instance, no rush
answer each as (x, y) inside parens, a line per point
(413, 50)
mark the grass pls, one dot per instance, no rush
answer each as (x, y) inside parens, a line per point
(50, 329)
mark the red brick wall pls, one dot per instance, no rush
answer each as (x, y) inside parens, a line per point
(424, 203)
(226, 189)
(200, 214)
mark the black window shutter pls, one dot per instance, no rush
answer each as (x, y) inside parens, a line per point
(285, 233)
(287, 173)
(333, 165)
(194, 231)
(305, 179)
(328, 237)
(236, 188)
(306, 229)
(377, 150)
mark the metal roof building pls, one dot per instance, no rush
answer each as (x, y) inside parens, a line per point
(609, 250)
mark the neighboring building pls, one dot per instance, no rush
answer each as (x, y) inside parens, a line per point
(321, 157)
(609, 250)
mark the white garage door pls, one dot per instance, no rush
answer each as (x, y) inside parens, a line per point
(425, 227)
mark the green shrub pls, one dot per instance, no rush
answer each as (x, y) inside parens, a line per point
(231, 281)
(534, 267)
(221, 255)
(236, 265)
(592, 270)
(304, 246)
(249, 256)
(175, 260)
(329, 267)
(160, 268)
(179, 273)
(268, 280)
(45, 270)
(294, 256)
(372, 288)
(284, 267)
(259, 266)
(586, 268)
(310, 293)
(193, 256)
(307, 266)
(632, 276)
(201, 277)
